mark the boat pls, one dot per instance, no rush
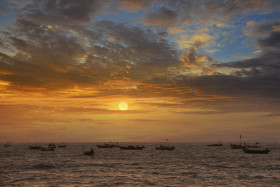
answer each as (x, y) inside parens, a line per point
(46, 149)
(8, 144)
(165, 147)
(256, 150)
(91, 152)
(51, 145)
(132, 147)
(34, 147)
(237, 146)
(61, 145)
(109, 145)
(257, 145)
(216, 144)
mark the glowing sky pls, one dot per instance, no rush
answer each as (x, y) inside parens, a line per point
(188, 70)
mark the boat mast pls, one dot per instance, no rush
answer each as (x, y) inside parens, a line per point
(240, 139)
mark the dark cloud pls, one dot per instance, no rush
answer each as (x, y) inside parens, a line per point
(176, 13)
(62, 11)
(165, 17)
(273, 41)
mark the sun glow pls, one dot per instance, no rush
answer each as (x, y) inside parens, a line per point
(123, 106)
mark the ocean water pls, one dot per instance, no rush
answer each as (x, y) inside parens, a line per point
(188, 165)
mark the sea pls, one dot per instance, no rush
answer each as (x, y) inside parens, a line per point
(190, 164)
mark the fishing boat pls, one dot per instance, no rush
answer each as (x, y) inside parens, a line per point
(165, 147)
(132, 147)
(257, 145)
(34, 147)
(105, 146)
(237, 146)
(51, 145)
(88, 153)
(256, 150)
(61, 145)
(8, 144)
(109, 145)
(216, 144)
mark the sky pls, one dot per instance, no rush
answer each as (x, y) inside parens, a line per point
(189, 71)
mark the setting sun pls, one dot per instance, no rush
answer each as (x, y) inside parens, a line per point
(123, 106)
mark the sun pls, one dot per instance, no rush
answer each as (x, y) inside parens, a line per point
(123, 106)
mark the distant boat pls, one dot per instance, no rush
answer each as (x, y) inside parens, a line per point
(165, 147)
(61, 145)
(105, 146)
(51, 145)
(257, 145)
(109, 145)
(132, 147)
(237, 146)
(8, 144)
(91, 152)
(216, 144)
(256, 150)
(34, 147)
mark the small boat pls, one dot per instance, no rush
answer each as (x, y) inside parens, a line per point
(256, 150)
(257, 145)
(165, 147)
(237, 146)
(34, 147)
(132, 147)
(51, 145)
(8, 144)
(216, 144)
(91, 152)
(61, 145)
(46, 149)
(109, 145)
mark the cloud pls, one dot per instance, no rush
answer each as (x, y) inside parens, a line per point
(63, 11)
(57, 45)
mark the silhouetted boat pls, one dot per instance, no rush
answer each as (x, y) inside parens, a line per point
(46, 149)
(61, 145)
(257, 145)
(132, 147)
(51, 145)
(165, 147)
(34, 147)
(216, 144)
(91, 152)
(237, 146)
(256, 150)
(109, 145)
(8, 144)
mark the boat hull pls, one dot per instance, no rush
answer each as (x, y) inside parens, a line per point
(132, 147)
(34, 147)
(256, 150)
